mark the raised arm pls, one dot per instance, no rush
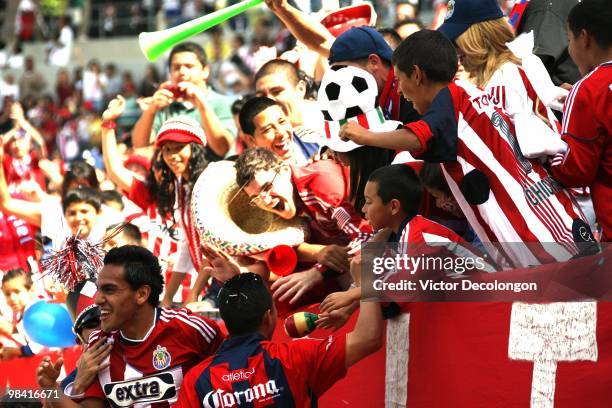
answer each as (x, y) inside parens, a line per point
(307, 30)
(117, 172)
(26, 210)
(141, 134)
(20, 120)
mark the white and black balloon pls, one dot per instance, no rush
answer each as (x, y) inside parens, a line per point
(347, 92)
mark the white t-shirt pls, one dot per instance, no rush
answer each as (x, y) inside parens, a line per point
(60, 54)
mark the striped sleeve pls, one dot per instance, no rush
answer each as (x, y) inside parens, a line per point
(201, 333)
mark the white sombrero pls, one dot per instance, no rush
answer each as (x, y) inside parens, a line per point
(350, 94)
(236, 227)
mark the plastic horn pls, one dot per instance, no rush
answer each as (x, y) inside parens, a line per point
(155, 43)
(281, 260)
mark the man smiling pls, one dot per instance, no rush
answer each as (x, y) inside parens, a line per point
(153, 347)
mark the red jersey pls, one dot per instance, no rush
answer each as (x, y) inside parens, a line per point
(323, 187)
(252, 371)
(150, 371)
(24, 169)
(505, 197)
(587, 130)
(17, 243)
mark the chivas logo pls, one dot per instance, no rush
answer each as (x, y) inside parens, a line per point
(450, 9)
(161, 358)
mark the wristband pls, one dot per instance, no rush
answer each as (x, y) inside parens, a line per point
(109, 124)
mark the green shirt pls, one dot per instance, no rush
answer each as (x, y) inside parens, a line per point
(220, 104)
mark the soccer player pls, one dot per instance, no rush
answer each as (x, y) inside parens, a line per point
(251, 370)
(587, 121)
(320, 192)
(507, 198)
(152, 347)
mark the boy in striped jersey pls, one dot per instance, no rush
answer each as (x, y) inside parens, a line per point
(508, 199)
(152, 347)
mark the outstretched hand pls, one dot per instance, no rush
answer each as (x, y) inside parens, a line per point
(115, 108)
(223, 266)
(48, 372)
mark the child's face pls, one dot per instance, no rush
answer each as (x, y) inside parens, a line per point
(578, 51)
(81, 216)
(176, 156)
(445, 202)
(376, 212)
(409, 89)
(16, 293)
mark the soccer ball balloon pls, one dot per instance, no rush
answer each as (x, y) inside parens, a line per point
(346, 92)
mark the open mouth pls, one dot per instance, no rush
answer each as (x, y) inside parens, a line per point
(104, 315)
(280, 206)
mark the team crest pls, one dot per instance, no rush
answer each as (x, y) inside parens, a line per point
(161, 358)
(450, 9)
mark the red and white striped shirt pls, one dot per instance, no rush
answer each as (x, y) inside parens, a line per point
(149, 372)
(587, 130)
(508, 199)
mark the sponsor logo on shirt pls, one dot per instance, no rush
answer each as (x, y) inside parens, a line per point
(238, 375)
(260, 393)
(161, 358)
(159, 387)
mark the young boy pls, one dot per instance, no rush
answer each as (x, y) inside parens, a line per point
(505, 197)
(587, 120)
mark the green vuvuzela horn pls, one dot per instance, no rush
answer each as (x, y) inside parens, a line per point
(155, 43)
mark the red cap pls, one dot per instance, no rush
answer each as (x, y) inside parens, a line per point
(340, 20)
(180, 129)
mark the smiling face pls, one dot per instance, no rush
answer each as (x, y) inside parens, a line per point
(176, 156)
(116, 299)
(411, 91)
(277, 87)
(185, 66)
(273, 131)
(272, 191)
(81, 217)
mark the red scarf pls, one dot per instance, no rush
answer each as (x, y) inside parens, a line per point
(389, 99)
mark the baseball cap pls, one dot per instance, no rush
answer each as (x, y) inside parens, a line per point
(462, 14)
(357, 43)
(181, 129)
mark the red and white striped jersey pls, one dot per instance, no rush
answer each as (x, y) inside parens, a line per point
(323, 187)
(587, 130)
(161, 235)
(149, 372)
(508, 199)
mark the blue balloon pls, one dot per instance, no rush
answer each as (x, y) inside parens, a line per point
(49, 324)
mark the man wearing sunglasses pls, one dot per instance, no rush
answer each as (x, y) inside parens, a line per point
(318, 191)
(249, 368)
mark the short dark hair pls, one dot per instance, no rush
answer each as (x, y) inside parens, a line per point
(130, 231)
(80, 170)
(243, 301)
(431, 176)
(276, 65)
(388, 31)
(18, 273)
(189, 46)
(399, 182)
(239, 103)
(82, 194)
(141, 268)
(252, 161)
(111, 196)
(252, 108)
(429, 50)
(593, 16)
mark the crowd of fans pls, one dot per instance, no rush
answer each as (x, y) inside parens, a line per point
(99, 149)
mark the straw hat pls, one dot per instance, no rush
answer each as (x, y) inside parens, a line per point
(237, 227)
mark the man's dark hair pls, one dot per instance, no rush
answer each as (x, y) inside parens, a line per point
(595, 17)
(401, 183)
(189, 46)
(407, 21)
(252, 108)
(431, 176)
(80, 170)
(279, 65)
(130, 232)
(429, 50)
(18, 273)
(239, 103)
(252, 161)
(141, 268)
(390, 32)
(243, 301)
(82, 194)
(111, 196)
